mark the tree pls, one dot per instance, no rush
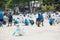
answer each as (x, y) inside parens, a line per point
(49, 2)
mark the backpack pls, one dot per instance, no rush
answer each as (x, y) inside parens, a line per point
(31, 21)
(4, 22)
(10, 16)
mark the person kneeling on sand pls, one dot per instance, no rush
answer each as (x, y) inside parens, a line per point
(26, 22)
(51, 21)
(18, 30)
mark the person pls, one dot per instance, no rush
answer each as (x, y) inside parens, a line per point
(26, 22)
(58, 19)
(31, 21)
(40, 17)
(37, 22)
(51, 21)
(10, 18)
(27, 16)
(21, 17)
(16, 21)
(49, 15)
(18, 30)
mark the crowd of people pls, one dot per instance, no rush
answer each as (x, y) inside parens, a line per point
(32, 19)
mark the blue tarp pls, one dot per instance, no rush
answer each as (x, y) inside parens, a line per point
(1, 15)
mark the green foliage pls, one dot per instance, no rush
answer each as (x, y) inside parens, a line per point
(8, 3)
(51, 8)
(48, 7)
(44, 8)
(13, 3)
(57, 5)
